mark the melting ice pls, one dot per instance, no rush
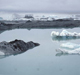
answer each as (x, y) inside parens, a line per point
(66, 51)
(64, 35)
(70, 45)
(69, 48)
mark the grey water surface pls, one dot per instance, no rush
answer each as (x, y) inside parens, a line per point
(42, 60)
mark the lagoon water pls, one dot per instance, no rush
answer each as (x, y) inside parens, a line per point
(41, 60)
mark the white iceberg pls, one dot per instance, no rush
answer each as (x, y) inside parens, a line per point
(64, 35)
(70, 45)
(65, 51)
(69, 48)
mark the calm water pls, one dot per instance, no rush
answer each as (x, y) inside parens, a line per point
(41, 60)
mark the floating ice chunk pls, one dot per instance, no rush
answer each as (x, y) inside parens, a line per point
(70, 45)
(54, 34)
(68, 48)
(2, 53)
(64, 35)
(65, 51)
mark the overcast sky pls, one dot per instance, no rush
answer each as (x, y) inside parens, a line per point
(72, 6)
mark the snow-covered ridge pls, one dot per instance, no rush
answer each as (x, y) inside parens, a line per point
(64, 35)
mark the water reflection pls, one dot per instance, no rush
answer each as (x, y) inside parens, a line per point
(61, 54)
(64, 38)
(43, 56)
(9, 25)
(64, 54)
(15, 47)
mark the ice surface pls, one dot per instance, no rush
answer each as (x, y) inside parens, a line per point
(37, 16)
(66, 51)
(64, 35)
(2, 53)
(70, 45)
(69, 48)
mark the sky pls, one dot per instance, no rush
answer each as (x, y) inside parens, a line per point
(58, 6)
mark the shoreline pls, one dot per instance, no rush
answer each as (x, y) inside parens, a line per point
(9, 25)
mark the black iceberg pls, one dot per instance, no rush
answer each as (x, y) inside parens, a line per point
(16, 47)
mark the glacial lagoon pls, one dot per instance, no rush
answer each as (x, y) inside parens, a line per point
(41, 60)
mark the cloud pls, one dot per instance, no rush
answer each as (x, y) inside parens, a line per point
(41, 5)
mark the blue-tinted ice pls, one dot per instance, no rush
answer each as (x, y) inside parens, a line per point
(64, 35)
(69, 48)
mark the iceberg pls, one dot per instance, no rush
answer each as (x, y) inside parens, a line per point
(65, 51)
(68, 48)
(15, 47)
(69, 45)
(64, 35)
(16, 16)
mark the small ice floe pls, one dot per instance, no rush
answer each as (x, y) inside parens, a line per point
(66, 51)
(64, 35)
(2, 53)
(70, 45)
(68, 48)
